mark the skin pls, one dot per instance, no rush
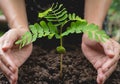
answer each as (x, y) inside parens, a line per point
(104, 56)
(11, 58)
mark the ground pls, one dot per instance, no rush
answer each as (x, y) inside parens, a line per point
(43, 68)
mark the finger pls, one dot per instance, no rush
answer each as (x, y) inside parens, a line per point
(99, 76)
(108, 64)
(112, 61)
(10, 38)
(108, 48)
(102, 77)
(8, 62)
(14, 78)
(5, 70)
(99, 62)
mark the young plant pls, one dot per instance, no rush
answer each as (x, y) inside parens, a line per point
(57, 17)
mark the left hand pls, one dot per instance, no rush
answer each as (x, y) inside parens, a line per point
(103, 56)
(11, 57)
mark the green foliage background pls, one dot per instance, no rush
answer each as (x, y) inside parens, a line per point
(113, 24)
(115, 5)
(1, 12)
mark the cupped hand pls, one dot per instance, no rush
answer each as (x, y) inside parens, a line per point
(104, 56)
(11, 56)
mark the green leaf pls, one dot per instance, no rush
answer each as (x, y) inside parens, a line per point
(75, 17)
(63, 18)
(58, 8)
(75, 27)
(45, 28)
(34, 32)
(52, 28)
(53, 31)
(33, 29)
(90, 35)
(18, 41)
(29, 37)
(95, 33)
(58, 16)
(39, 30)
(61, 13)
(50, 36)
(26, 39)
(43, 14)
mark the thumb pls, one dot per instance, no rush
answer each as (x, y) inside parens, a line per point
(7, 45)
(9, 41)
(108, 48)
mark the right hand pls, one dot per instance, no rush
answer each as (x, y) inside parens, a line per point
(103, 56)
(11, 57)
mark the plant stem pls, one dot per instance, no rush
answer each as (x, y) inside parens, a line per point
(61, 55)
(61, 61)
(61, 40)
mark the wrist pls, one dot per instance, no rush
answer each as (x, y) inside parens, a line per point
(87, 41)
(95, 21)
(20, 29)
(18, 24)
(99, 24)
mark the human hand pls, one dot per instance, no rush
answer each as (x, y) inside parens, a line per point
(11, 57)
(103, 56)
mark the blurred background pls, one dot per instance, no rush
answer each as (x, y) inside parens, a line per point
(111, 23)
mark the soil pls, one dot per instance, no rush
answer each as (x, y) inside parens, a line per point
(42, 67)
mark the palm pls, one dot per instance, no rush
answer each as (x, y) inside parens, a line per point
(103, 56)
(95, 54)
(12, 57)
(19, 56)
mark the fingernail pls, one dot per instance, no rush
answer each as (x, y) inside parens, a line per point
(5, 46)
(4, 49)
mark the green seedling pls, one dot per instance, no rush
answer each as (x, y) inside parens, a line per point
(55, 19)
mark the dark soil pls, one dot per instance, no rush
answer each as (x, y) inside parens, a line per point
(43, 68)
